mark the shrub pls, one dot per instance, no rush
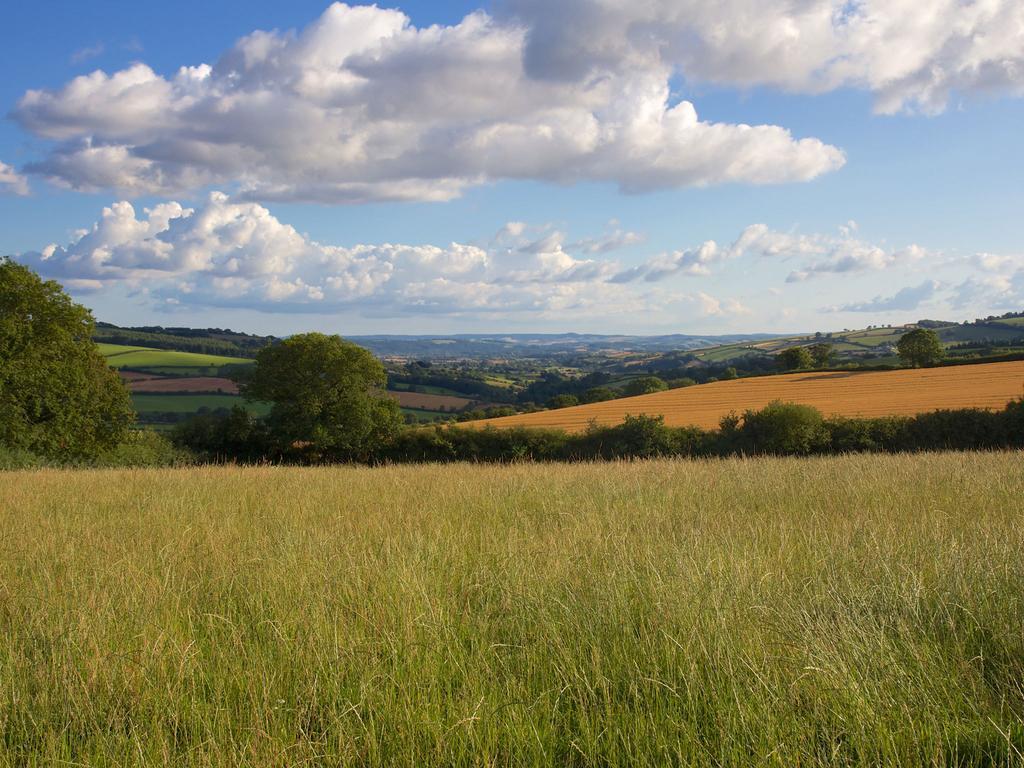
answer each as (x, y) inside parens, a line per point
(144, 448)
(784, 428)
(18, 458)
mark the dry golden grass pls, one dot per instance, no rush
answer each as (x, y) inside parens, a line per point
(845, 393)
(842, 611)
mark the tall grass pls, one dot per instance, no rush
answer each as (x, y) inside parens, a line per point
(864, 610)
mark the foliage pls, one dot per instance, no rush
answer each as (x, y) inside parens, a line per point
(58, 398)
(143, 448)
(598, 395)
(644, 385)
(920, 346)
(563, 401)
(327, 396)
(785, 429)
(822, 354)
(796, 358)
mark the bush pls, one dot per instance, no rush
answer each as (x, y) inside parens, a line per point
(785, 429)
(563, 401)
(144, 448)
(18, 458)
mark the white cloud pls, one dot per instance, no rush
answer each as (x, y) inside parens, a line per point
(11, 181)
(905, 299)
(227, 253)
(910, 54)
(86, 53)
(361, 105)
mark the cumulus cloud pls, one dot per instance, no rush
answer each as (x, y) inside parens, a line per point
(910, 54)
(362, 105)
(229, 253)
(11, 181)
(905, 299)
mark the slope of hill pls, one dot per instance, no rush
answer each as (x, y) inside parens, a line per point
(147, 358)
(212, 341)
(834, 393)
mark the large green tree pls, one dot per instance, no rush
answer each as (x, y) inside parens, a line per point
(920, 346)
(58, 396)
(328, 397)
(795, 358)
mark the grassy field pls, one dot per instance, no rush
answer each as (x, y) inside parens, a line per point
(842, 393)
(863, 610)
(119, 356)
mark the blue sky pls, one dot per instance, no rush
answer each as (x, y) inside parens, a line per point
(367, 182)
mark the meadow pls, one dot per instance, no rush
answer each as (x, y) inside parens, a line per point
(144, 358)
(904, 392)
(856, 610)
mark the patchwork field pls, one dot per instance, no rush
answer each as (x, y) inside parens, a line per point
(851, 611)
(178, 402)
(418, 401)
(846, 393)
(142, 383)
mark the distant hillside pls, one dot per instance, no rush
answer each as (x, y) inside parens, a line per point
(901, 392)
(514, 345)
(209, 341)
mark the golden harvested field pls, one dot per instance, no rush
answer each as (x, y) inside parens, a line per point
(842, 393)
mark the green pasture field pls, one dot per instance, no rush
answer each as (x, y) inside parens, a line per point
(844, 611)
(425, 389)
(119, 356)
(427, 415)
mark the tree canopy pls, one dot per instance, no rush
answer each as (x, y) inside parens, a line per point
(920, 346)
(644, 386)
(58, 396)
(795, 358)
(327, 395)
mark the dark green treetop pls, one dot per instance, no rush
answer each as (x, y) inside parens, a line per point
(920, 346)
(58, 396)
(328, 397)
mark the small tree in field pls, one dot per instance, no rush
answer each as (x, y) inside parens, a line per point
(822, 354)
(795, 358)
(58, 396)
(327, 395)
(920, 346)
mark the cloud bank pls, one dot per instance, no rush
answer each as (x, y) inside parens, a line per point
(227, 253)
(911, 55)
(361, 105)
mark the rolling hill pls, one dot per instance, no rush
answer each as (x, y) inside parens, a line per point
(147, 358)
(834, 393)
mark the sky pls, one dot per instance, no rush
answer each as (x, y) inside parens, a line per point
(605, 166)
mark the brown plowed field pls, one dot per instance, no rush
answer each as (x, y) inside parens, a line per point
(845, 393)
(429, 402)
(191, 384)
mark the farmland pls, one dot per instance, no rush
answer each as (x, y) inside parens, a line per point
(177, 402)
(142, 358)
(834, 393)
(859, 610)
